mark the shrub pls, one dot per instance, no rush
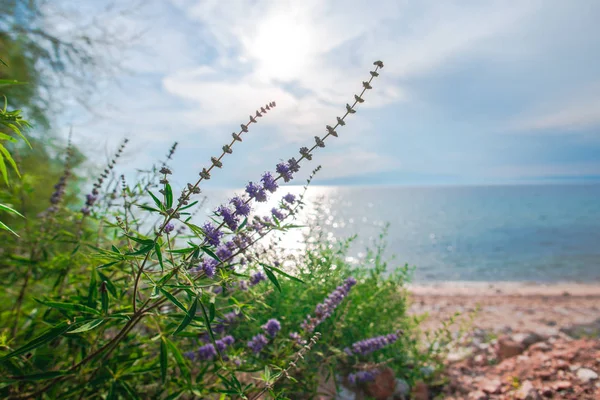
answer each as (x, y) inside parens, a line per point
(127, 297)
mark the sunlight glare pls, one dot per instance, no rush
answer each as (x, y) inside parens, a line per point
(282, 47)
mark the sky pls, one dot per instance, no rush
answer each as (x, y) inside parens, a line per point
(472, 92)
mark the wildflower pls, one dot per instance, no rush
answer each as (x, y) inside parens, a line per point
(90, 199)
(209, 267)
(325, 309)
(272, 327)
(256, 192)
(204, 174)
(378, 63)
(331, 131)
(257, 343)
(295, 336)
(224, 253)
(358, 98)
(243, 286)
(340, 121)
(269, 182)
(236, 137)
(374, 74)
(169, 228)
(227, 149)
(230, 318)
(367, 85)
(362, 377)
(257, 278)
(207, 352)
(244, 128)
(85, 211)
(216, 162)
(349, 109)
(165, 171)
(319, 142)
(277, 214)
(293, 165)
(305, 153)
(193, 189)
(370, 345)
(228, 340)
(212, 234)
(228, 217)
(284, 171)
(290, 198)
(241, 207)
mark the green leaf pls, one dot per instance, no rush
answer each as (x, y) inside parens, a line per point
(168, 196)
(40, 376)
(211, 312)
(156, 200)
(4, 207)
(243, 224)
(142, 250)
(173, 300)
(109, 285)
(209, 328)
(144, 207)
(145, 242)
(281, 272)
(92, 291)
(46, 337)
(68, 306)
(181, 363)
(159, 255)
(192, 204)
(188, 317)
(163, 360)
(104, 298)
(272, 278)
(10, 160)
(6, 228)
(88, 326)
(208, 251)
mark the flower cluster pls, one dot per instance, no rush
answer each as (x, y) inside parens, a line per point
(257, 343)
(90, 198)
(208, 351)
(370, 345)
(325, 309)
(272, 327)
(362, 376)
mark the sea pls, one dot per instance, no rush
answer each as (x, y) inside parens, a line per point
(522, 233)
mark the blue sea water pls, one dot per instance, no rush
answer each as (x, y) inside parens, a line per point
(541, 233)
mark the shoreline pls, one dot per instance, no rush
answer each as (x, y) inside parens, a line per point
(504, 288)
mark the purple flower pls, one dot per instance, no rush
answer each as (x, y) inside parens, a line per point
(223, 252)
(230, 317)
(209, 267)
(325, 309)
(293, 165)
(370, 345)
(362, 376)
(277, 214)
(257, 343)
(228, 340)
(256, 192)
(169, 228)
(284, 171)
(272, 327)
(229, 217)
(241, 208)
(90, 199)
(243, 285)
(207, 352)
(290, 198)
(256, 278)
(213, 235)
(269, 182)
(85, 211)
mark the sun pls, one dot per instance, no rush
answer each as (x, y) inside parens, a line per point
(282, 47)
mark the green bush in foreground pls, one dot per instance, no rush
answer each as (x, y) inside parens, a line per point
(129, 298)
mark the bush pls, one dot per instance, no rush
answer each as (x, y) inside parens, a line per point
(128, 298)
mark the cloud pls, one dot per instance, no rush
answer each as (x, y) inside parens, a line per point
(575, 169)
(568, 114)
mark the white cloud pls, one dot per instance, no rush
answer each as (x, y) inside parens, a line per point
(353, 161)
(568, 113)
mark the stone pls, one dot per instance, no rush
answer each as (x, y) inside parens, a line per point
(420, 391)
(402, 388)
(478, 395)
(541, 346)
(460, 354)
(586, 375)
(562, 385)
(527, 392)
(509, 348)
(383, 386)
(491, 386)
(527, 339)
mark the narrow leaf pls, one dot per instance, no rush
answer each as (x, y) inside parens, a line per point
(188, 317)
(88, 326)
(163, 360)
(46, 337)
(272, 278)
